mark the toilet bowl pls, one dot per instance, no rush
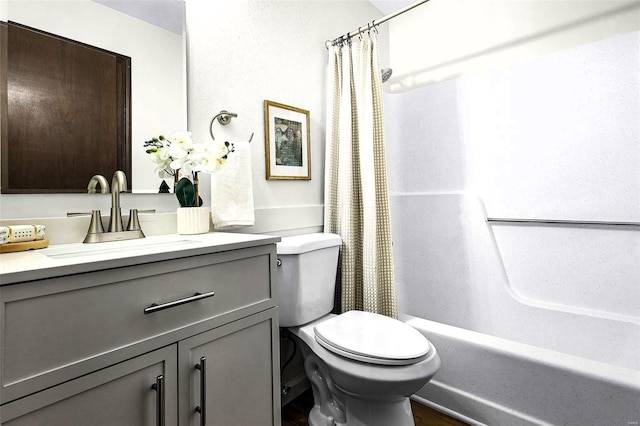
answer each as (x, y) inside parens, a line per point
(362, 366)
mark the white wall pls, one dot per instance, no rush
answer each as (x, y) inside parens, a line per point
(241, 52)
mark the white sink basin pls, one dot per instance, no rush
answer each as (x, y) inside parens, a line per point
(69, 251)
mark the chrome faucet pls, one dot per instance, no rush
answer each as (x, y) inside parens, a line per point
(118, 185)
(98, 180)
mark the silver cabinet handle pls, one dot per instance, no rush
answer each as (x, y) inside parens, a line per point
(198, 296)
(158, 386)
(202, 408)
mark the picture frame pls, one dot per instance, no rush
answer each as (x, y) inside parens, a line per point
(287, 142)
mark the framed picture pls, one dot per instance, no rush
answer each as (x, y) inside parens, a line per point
(287, 145)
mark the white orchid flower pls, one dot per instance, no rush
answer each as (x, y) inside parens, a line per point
(209, 159)
(179, 155)
(182, 138)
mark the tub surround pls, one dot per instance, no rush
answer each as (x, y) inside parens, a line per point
(140, 330)
(538, 323)
(507, 360)
(472, 269)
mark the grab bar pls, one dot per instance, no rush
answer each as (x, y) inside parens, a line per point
(561, 222)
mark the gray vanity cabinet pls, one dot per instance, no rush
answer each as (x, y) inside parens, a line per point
(227, 380)
(125, 394)
(89, 348)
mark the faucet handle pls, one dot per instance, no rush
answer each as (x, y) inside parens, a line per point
(74, 214)
(134, 223)
(95, 226)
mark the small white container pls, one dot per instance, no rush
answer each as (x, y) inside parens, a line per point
(193, 220)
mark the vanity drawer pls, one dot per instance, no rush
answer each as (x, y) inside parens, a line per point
(60, 328)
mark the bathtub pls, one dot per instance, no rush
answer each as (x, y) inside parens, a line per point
(534, 325)
(486, 380)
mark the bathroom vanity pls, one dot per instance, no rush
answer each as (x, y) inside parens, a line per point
(167, 330)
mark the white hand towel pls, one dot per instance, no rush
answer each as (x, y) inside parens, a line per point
(232, 190)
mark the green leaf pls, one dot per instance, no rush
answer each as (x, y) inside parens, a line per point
(186, 193)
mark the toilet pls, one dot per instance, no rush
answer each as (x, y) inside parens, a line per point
(362, 366)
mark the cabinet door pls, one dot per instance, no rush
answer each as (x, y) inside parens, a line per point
(230, 375)
(123, 394)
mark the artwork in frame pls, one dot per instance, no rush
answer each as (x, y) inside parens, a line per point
(287, 145)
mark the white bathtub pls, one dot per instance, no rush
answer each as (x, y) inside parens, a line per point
(493, 381)
(534, 325)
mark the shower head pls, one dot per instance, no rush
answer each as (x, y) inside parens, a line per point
(386, 73)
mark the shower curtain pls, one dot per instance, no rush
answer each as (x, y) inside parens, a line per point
(356, 195)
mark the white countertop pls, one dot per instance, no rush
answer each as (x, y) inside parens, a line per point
(75, 258)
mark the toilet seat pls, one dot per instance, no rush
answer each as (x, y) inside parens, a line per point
(372, 338)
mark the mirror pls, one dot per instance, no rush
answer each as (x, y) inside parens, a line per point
(152, 34)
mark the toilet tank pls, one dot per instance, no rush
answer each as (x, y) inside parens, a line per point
(306, 277)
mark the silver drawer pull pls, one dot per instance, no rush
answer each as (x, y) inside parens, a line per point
(202, 408)
(198, 296)
(158, 386)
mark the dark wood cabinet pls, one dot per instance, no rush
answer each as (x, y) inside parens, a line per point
(67, 112)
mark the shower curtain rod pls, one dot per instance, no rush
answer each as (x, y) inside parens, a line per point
(377, 22)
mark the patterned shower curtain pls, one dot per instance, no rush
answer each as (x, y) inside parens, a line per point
(356, 195)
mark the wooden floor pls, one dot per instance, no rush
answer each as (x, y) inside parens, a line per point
(296, 412)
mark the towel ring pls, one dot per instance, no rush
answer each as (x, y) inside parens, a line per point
(224, 117)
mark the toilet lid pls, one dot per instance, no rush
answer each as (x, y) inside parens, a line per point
(372, 338)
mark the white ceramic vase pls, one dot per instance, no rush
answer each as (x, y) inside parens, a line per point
(193, 220)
